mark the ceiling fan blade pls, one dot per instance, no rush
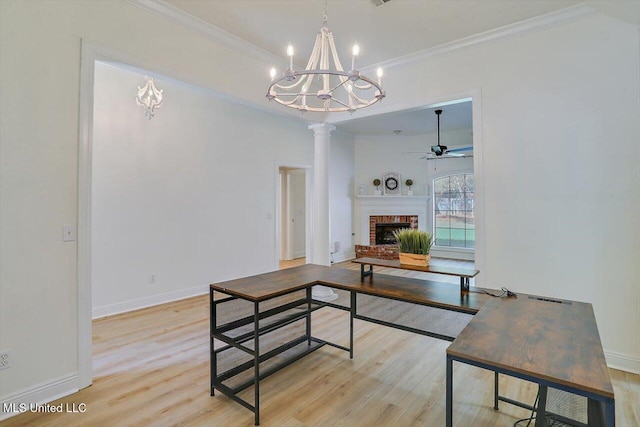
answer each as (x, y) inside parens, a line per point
(459, 150)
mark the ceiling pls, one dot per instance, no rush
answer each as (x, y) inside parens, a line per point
(384, 33)
(395, 29)
(412, 122)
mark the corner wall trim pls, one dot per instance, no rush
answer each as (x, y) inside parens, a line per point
(136, 304)
(39, 394)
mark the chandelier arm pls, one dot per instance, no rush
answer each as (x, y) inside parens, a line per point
(363, 87)
(337, 101)
(324, 56)
(358, 99)
(342, 82)
(288, 103)
(334, 53)
(313, 59)
(293, 85)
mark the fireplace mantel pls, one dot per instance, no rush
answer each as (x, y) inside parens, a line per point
(390, 205)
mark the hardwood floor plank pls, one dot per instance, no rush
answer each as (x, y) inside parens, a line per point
(151, 368)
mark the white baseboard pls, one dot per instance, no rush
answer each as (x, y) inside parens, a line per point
(622, 362)
(343, 256)
(39, 394)
(136, 304)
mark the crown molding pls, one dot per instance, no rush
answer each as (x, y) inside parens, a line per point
(517, 29)
(162, 8)
(237, 44)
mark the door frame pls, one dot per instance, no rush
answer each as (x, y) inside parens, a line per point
(308, 190)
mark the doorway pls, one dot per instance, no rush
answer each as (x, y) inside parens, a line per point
(293, 217)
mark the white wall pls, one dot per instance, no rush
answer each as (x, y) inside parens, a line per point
(186, 196)
(341, 172)
(561, 211)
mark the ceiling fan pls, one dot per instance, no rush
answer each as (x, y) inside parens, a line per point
(440, 151)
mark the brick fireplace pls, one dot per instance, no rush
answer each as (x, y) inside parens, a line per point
(402, 221)
(400, 211)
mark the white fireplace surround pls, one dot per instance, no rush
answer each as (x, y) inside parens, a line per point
(391, 205)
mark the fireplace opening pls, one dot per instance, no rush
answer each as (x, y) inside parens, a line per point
(384, 232)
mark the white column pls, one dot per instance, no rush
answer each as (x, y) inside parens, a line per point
(321, 226)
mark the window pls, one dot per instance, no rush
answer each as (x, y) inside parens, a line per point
(453, 216)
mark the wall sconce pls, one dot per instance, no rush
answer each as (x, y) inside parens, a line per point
(149, 98)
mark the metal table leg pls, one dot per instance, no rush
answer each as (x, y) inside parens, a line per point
(352, 315)
(364, 273)
(213, 357)
(541, 412)
(449, 409)
(495, 392)
(256, 360)
(464, 284)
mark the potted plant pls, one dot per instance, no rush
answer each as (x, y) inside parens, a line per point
(414, 246)
(409, 183)
(377, 183)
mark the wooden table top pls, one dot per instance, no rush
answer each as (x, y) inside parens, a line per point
(264, 286)
(427, 292)
(395, 263)
(268, 285)
(538, 338)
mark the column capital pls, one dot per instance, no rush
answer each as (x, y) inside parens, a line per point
(322, 128)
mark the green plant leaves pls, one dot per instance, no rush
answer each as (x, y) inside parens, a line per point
(414, 241)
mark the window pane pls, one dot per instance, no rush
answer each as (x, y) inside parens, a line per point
(453, 210)
(442, 237)
(471, 239)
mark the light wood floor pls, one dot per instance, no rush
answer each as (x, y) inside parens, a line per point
(288, 263)
(151, 368)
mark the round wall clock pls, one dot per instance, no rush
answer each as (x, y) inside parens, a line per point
(391, 183)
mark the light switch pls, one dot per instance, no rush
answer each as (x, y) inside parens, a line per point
(68, 233)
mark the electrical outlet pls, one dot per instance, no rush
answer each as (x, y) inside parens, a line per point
(68, 233)
(4, 359)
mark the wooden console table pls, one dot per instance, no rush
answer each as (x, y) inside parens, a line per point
(464, 273)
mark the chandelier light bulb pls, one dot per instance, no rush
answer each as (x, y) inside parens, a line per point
(356, 51)
(290, 55)
(380, 74)
(272, 73)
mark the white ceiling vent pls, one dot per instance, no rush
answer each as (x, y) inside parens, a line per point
(379, 2)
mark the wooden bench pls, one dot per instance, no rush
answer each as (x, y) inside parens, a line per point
(464, 273)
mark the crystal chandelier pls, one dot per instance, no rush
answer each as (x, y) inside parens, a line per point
(321, 88)
(149, 98)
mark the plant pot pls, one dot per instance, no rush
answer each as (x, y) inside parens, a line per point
(414, 259)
